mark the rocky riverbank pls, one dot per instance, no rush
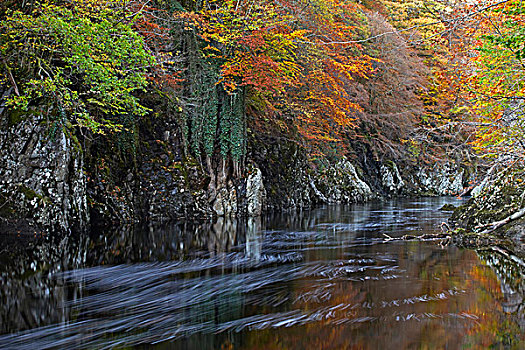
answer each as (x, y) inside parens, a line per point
(494, 216)
(55, 183)
(54, 180)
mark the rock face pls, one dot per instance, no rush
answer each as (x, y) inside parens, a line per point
(42, 182)
(47, 178)
(340, 183)
(503, 197)
(496, 212)
(284, 169)
(225, 203)
(441, 180)
(291, 182)
(255, 193)
(391, 178)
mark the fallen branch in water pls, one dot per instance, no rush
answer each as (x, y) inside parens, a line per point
(460, 238)
(446, 233)
(425, 237)
(493, 226)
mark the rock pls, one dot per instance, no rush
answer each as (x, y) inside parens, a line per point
(225, 203)
(441, 180)
(477, 190)
(498, 201)
(43, 181)
(255, 193)
(340, 183)
(391, 178)
(285, 169)
(448, 207)
(317, 193)
(42, 178)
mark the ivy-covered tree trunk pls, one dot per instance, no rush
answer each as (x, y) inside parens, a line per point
(213, 119)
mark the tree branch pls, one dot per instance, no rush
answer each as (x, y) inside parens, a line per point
(11, 78)
(493, 226)
(443, 21)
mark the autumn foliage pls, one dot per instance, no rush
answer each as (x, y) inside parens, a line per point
(475, 53)
(324, 73)
(489, 68)
(77, 63)
(305, 67)
(296, 58)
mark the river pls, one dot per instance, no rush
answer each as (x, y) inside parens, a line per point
(327, 278)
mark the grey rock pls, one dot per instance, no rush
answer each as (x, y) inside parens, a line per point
(225, 203)
(255, 193)
(441, 180)
(48, 192)
(391, 178)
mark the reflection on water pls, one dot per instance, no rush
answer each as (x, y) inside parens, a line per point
(325, 278)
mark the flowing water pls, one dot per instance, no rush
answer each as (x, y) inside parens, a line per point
(329, 278)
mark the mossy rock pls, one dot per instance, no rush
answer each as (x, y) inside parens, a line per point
(15, 117)
(28, 193)
(471, 240)
(448, 207)
(390, 164)
(501, 199)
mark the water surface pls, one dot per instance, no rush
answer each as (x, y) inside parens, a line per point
(329, 278)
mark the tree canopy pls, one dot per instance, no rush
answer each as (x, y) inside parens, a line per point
(79, 61)
(327, 71)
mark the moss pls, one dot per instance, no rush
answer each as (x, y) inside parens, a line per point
(359, 171)
(31, 194)
(6, 210)
(28, 193)
(459, 231)
(15, 116)
(77, 146)
(448, 207)
(427, 194)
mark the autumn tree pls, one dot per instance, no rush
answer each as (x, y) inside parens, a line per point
(492, 76)
(81, 63)
(235, 54)
(393, 107)
(285, 63)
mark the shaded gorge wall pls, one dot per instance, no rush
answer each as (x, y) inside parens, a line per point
(54, 178)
